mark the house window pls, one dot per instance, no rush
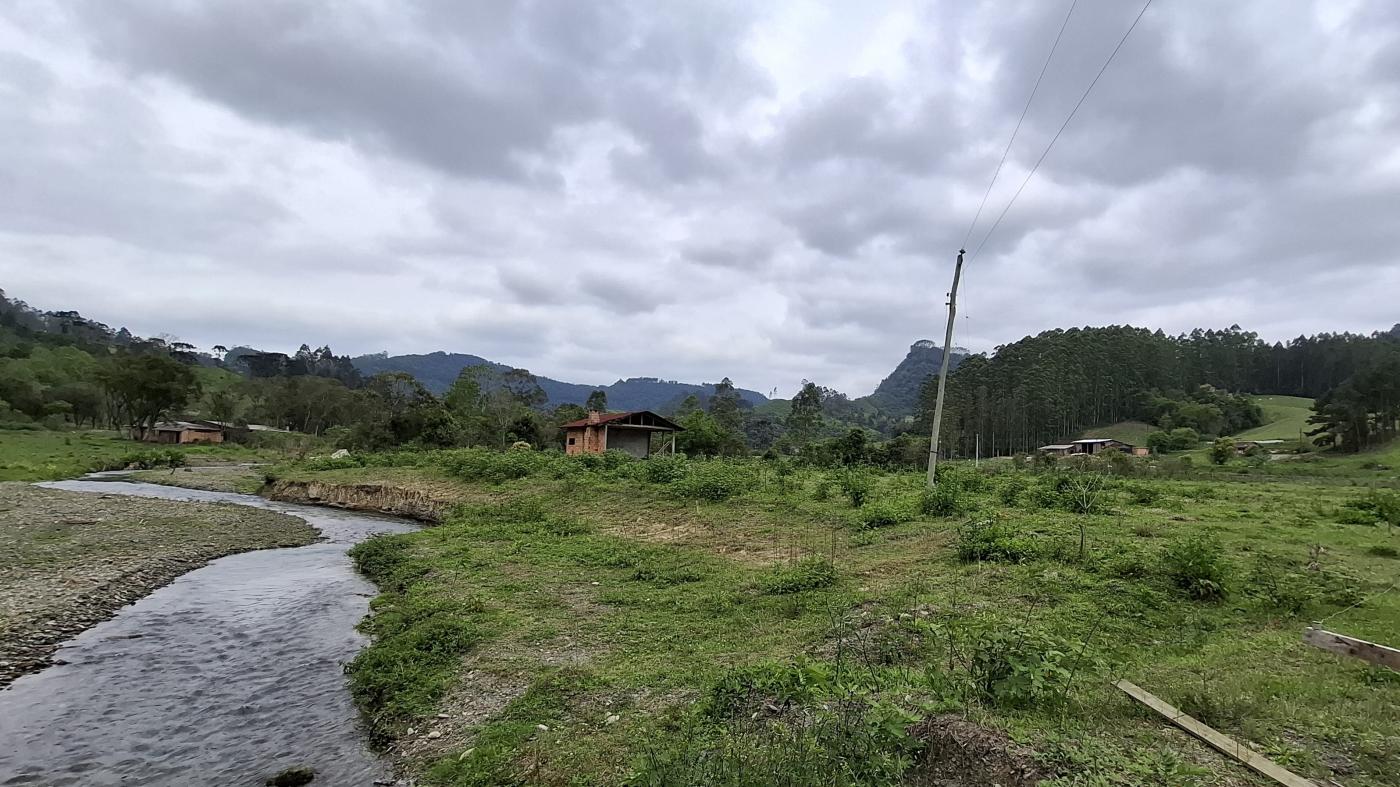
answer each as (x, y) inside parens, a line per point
(571, 441)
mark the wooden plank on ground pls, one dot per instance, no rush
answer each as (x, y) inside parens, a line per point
(1330, 641)
(1216, 739)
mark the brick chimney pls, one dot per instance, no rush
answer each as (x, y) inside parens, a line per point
(594, 416)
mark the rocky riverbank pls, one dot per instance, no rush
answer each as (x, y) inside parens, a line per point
(70, 560)
(417, 504)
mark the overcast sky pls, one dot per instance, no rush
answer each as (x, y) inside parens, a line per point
(770, 191)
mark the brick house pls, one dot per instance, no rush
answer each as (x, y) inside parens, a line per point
(181, 432)
(630, 432)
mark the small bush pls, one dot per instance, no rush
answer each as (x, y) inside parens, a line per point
(1013, 485)
(146, 460)
(1142, 494)
(962, 477)
(1222, 450)
(1196, 564)
(714, 481)
(1349, 514)
(1376, 508)
(856, 484)
(1216, 708)
(664, 469)
(481, 464)
(884, 513)
(807, 574)
(1383, 550)
(1015, 667)
(766, 683)
(1084, 493)
(945, 499)
(993, 541)
(1278, 587)
(1127, 565)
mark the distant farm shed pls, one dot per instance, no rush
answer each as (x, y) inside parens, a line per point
(1091, 446)
(630, 432)
(180, 432)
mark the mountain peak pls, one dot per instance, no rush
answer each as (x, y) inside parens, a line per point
(898, 394)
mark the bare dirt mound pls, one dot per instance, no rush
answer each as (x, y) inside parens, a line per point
(960, 753)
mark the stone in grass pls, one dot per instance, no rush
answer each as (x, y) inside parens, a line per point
(292, 777)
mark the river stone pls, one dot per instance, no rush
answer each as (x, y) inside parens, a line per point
(292, 777)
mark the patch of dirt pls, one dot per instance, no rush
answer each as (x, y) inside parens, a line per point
(478, 695)
(69, 560)
(960, 753)
(667, 527)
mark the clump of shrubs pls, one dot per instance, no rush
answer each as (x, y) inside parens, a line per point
(1078, 492)
(1019, 667)
(1012, 487)
(1383, 550)
(856, 485)
(1142, 494)
(481, 464)
(714, 481)
(147, 460)
(946, 498)
(807, 574)
(993, 540)
(1375, 508)
(664, 469)
(1196, 565)
(885, 513)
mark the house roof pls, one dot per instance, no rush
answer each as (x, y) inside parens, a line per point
(1055, 447)
(184, 426)
(627, 419)
(1098, 440)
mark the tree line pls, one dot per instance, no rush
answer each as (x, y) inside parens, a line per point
(1054, 385)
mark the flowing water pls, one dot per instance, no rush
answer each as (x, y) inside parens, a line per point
(226, 676)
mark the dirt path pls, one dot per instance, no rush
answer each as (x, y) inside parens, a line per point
(70, 560)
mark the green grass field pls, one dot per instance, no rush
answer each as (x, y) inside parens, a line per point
(747, 623)
(46, 455)
(1131, 432)
(1285, 417)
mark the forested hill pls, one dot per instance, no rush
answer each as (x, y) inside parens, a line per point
(1045, 388)
(898, 394)
(438, 370)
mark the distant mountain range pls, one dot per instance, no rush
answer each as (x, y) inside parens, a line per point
(898, 394)
(438, 370)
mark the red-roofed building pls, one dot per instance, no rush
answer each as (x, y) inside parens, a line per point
(629, 432)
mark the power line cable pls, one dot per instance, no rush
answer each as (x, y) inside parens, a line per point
(1019, 121)
(1063, 125)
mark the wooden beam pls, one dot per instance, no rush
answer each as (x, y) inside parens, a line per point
(1217, 740)
(1342, 645)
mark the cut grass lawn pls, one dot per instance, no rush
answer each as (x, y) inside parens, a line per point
(635, 633)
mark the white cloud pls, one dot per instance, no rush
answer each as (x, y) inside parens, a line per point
(770, 192)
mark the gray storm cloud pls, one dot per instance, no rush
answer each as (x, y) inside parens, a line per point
(770, 192)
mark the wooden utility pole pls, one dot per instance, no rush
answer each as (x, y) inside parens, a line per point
(943, 369)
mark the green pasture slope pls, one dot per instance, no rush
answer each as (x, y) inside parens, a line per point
(1284, 418)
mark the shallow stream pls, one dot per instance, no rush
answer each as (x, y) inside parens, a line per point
(226, 676)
